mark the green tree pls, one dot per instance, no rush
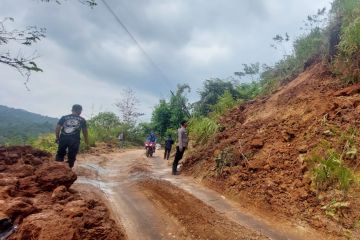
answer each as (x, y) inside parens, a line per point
(179, 105)
(225, 102)
(161, 118)
(212, 90)
(105, 126)
(105, 120)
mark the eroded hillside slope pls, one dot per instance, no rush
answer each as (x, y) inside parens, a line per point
(267, 150)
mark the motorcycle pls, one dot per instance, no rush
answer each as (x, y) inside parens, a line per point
(149, 148)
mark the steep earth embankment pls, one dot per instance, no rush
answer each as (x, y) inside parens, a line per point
(35, 195)
(262, 156)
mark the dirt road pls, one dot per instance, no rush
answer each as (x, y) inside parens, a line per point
(152, 204)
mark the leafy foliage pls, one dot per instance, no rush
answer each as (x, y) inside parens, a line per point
(347, 63)
(202, 128)
(224, 103)
(331, 171)
(350, 40)
(45, 142)
(161, 118)
(212, 90)
(105, 126)
(179, 105)
(167, 115)
(248, 91)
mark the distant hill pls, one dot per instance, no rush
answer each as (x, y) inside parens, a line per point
(18, 126)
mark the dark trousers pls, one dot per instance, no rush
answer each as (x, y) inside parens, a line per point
(178, 156)
(72, 147)
(167, 153)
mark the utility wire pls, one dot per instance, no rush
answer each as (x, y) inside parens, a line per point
(151, 61)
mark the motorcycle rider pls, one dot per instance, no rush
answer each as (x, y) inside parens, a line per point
(152, 138)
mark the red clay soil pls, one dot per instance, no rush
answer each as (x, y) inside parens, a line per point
(271, 140)
(199, 220)
(35, 195)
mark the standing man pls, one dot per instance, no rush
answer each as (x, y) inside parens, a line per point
(168, 145)
(68, 135)
(121, 139)
(181, 147)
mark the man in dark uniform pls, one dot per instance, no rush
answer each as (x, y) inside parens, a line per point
(68, 135)
(168, 145)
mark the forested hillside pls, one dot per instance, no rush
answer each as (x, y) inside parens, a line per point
(18, 126)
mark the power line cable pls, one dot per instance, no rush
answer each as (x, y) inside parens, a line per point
(148, 57)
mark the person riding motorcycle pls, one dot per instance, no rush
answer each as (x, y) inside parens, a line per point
(152, 137)
(152, 140)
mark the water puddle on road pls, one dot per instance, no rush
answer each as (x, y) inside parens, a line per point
(103, 186)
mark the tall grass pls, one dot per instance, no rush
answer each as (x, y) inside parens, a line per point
(331, 171)
(347, 62)
(202, 128)
(224, 103)
(45, 142)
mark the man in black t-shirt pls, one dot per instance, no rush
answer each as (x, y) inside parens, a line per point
(68, 135)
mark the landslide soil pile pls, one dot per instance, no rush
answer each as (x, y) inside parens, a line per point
(35, 195)
(199, 220)
(261, 156)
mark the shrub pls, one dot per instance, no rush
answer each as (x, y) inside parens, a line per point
(309, 46)
(347, 63)
(45, 142)
(224, 103)
(331, 171)
(350, 39)
(249, 91)
(202, 129)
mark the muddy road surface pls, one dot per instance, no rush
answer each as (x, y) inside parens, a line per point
(150, 203)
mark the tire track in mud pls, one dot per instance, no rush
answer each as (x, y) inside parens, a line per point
(116, 179)
(199, 220)
(151, 208)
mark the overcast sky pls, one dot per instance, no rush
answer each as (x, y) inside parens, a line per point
(88, 58)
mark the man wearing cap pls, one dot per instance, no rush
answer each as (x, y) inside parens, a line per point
(68, 135)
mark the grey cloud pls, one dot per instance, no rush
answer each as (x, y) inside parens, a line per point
(189, 40)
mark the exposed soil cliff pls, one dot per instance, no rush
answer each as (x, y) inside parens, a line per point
(262, 156)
